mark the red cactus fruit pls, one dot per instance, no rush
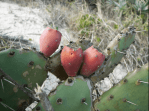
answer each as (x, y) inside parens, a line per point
(92, 61)
(71, 60)
(49, 41)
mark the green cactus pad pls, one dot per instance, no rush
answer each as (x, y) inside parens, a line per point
(137, 94)
(71, 95)
(12, 96)
(123, 44)
(18, 68)
(114, 52)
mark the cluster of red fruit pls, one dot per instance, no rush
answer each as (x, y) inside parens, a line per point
(71, 59)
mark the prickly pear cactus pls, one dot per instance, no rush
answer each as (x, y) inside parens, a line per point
(131, 94)
(114, 53)
(74, 93)
(26, 68)
(120, 44)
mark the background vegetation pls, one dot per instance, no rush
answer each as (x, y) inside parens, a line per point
(101, 20)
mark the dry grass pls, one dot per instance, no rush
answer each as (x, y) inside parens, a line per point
(103, 24)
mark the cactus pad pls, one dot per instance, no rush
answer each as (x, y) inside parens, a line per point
(24, 67)
(114, 52)
(119, 97)
(74, 93)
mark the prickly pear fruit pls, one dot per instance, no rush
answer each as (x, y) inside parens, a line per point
(92, 61)
(71, 60)
(49, 41)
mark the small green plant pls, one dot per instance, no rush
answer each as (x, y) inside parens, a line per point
(83, 32)
(85, 22)
(121, 4)
(98, 39)
(115, 26)
(138, 58)
(30, 39)
(146, 27)
(141, 6)
(109, 2)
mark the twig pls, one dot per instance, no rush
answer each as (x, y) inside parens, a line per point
(44, 99)
(134, 59)
(100, 42)
(92, 38)
(126, 65)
